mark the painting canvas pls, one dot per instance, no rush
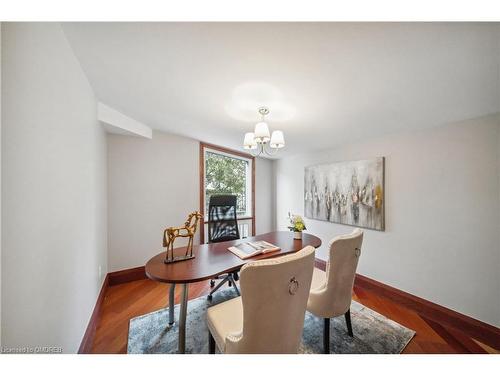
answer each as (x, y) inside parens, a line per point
(349, 193)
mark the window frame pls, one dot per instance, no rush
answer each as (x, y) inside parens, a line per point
(240, 155)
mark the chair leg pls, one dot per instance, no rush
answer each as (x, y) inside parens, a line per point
(326, 336)
(234, 285)
(217, 287)
(347, 316)
(211, 343)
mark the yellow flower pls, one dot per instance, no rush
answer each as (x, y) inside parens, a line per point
(299, 226)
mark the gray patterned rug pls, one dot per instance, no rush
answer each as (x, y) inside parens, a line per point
(373, 333)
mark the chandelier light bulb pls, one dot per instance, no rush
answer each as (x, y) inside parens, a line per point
(262, 132)
(277, 139)
(249, 143)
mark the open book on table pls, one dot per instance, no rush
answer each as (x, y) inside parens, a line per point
(250, 249)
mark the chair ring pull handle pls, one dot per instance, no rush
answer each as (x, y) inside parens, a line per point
(357, 251)
(293, 286)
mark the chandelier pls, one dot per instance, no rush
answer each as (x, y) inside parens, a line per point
(261, 140)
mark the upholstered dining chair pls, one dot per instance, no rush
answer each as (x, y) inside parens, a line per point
(331, 291)
(269, 315)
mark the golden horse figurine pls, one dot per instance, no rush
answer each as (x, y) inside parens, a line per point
(188, 230)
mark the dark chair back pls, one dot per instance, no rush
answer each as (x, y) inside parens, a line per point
(222, 222)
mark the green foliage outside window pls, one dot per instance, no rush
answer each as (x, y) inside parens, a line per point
(226, 175)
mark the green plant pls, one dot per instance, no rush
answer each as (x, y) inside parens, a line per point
(226, 175)
(297, 224)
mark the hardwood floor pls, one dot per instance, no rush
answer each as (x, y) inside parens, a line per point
(125, 301)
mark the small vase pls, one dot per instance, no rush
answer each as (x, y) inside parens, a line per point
(297, 235)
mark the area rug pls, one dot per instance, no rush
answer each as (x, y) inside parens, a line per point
(373, 333)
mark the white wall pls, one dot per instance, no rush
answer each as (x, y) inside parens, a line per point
(153, 184)
(442, 213)
(116, 122)
(53, 190)
(264, 196)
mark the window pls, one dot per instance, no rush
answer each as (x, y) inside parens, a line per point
(224, 171)
(228, 175)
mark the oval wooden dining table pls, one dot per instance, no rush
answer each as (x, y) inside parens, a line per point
(210, 261)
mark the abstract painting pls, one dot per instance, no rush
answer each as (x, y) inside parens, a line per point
(349, 193)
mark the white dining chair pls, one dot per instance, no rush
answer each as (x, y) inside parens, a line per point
(269, 315)
(331, 290)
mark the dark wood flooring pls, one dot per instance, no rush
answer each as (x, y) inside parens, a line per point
(125, 301)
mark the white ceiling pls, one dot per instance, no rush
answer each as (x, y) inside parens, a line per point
(325, 83)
